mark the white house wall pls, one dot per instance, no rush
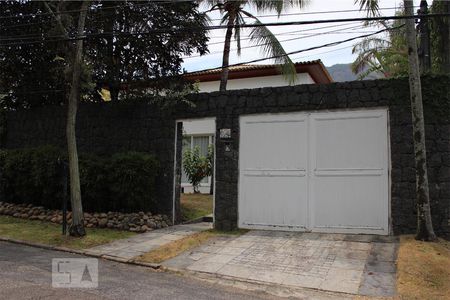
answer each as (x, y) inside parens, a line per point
(255, 82)
(199, 127)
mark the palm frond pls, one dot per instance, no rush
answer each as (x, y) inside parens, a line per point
(370, 44)
(237, 31)
(224, 19)
(371, 7)
(261, 35)
(262, 6)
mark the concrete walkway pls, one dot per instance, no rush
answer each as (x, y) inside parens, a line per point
(352, 264)
(145, 242)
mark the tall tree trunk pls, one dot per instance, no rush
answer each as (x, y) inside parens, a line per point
(446, 40)
(424, 224)
(226, 50)
(77, 226)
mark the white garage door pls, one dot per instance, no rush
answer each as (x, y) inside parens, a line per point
(322, 172)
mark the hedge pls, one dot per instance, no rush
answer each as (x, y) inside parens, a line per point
(123, 182)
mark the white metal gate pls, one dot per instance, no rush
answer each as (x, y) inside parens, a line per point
(322, 172)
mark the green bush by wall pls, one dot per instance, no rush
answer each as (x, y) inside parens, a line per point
(122, 182)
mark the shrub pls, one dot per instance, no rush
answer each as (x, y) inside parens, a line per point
(197, 166)
(123, 182)
(31, 174)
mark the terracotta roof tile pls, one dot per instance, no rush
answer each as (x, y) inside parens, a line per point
(248, 67)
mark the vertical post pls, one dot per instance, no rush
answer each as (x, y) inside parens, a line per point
(63, 172)
(176, 212)
(424, 35)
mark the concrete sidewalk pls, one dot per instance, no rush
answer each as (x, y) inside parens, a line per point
(351, 264)
(137, 245)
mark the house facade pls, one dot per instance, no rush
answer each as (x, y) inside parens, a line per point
(323, 158)
(201, 133)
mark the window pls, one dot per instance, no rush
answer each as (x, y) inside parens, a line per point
(190, 142)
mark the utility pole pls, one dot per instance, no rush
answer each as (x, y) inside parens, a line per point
(424, 35)
(424, 223)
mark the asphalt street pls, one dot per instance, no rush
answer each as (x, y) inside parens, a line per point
(25, 273)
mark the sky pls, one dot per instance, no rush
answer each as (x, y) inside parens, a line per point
(297, 37)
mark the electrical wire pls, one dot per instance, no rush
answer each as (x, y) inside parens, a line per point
(191, 29)
(258, 45)
(301, 51)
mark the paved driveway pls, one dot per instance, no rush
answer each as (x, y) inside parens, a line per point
(354, 264)
(134, 246)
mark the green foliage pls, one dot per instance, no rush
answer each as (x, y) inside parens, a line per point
(30, 174)
(132, 180)
(32, 73)
(386, 55)
(122, 182)
(197, 166)
(439, 37)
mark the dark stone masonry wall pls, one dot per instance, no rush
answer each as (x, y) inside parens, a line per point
(115, 127)
(102, 129)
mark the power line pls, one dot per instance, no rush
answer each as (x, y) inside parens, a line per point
(323, 52)
(102, 8)
(313, 13)
(302, 50)
(286, 40)
(190, 29)
(21, 37)
(299, 51)
(294, 32)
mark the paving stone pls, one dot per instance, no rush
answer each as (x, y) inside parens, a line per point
(235, 271)
(385, 251)
(231, 250)
(349, 264)
(302, 281)
(219, 258)
(267, 276)
(378, 284)
(210, 267)
(381, 266)
(319, 261)
(145, 242)
(362, 238)
(341, 280)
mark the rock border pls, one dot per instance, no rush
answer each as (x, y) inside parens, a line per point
(134, 222)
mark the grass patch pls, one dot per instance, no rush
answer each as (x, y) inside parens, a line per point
(194, 206)
(50, 234)
(423, 269)
(175, 248)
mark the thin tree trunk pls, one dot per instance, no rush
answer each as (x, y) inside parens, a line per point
(446, 40)
(424, 224)
(77, 226)
(226, 51)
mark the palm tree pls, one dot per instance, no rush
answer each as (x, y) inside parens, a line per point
(385, 55)
(234, 16)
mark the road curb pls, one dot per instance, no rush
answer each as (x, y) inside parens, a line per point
(283, 291)
(83, 252)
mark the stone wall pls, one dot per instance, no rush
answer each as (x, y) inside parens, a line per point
(116, 127)
(103, 129)
(394, 94)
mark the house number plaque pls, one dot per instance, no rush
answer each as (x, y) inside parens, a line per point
(225, 133)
